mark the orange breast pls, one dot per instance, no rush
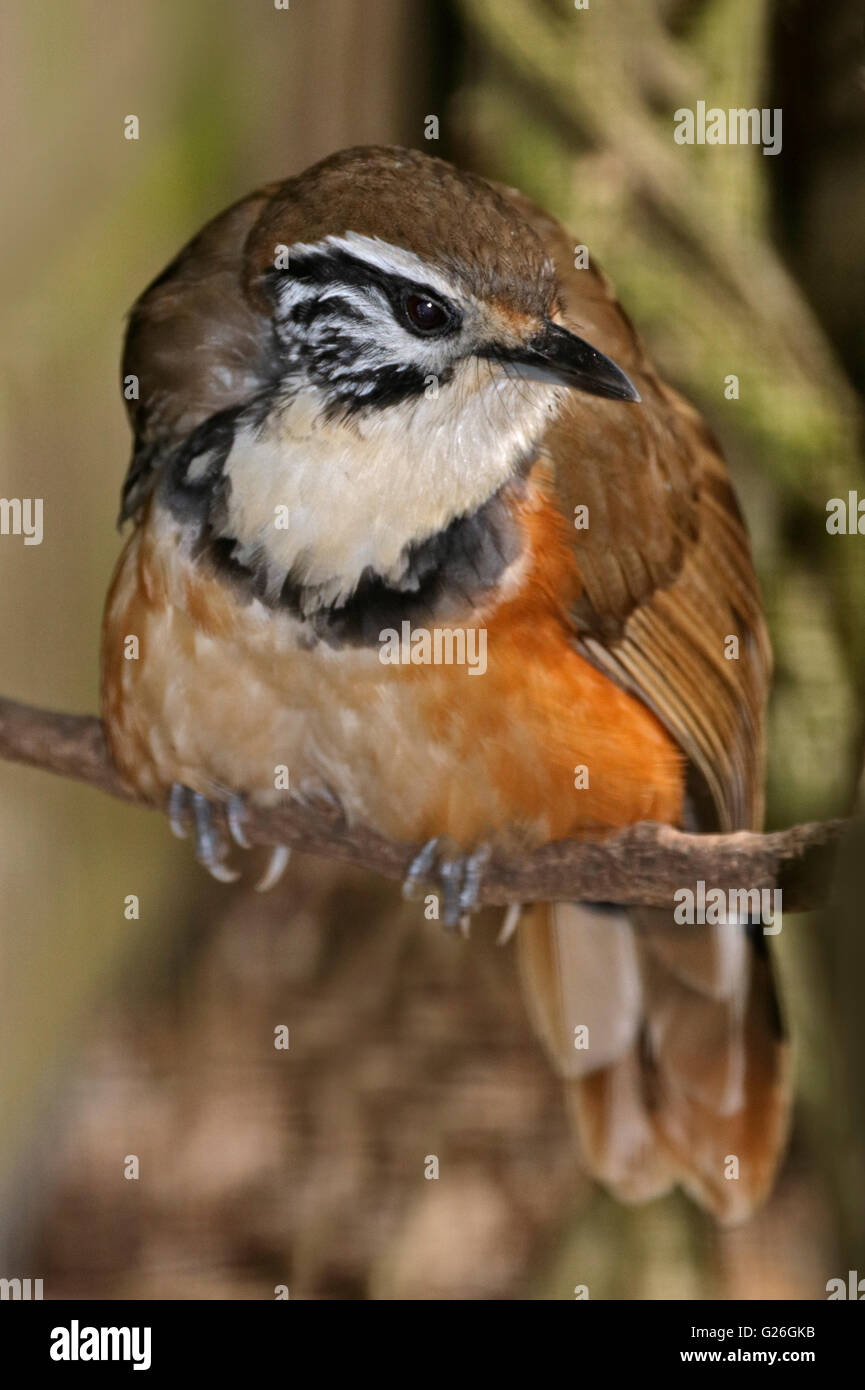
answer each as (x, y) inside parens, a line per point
(564, 750)
(540, 745)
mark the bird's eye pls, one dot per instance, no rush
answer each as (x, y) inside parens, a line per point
(425, 315)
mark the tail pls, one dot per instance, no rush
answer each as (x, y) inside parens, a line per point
(672, 1046)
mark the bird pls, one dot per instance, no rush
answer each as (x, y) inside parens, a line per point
(385, 396)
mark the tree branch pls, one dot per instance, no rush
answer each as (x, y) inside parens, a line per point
(644, 864)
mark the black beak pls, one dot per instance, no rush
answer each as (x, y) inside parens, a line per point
(556, 355)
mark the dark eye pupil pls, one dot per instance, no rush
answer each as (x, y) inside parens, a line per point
(425, 314)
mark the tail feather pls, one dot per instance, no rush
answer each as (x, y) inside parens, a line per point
(568, 973)
(670, 1041)
(617, 1136)
(710, 1142)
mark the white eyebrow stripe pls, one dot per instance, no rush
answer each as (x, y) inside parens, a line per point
(393, 260)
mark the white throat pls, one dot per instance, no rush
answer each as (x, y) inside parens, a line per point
(330, 500)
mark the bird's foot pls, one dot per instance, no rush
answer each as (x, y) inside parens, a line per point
(459, 876)
(211, 849)
(187, 807)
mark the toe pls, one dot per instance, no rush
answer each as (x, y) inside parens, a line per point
(236, 815)
(178, 810)
(452, 873)
(209, 847)
(473, 876)
(420, 868)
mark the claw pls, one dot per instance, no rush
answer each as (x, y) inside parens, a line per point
(419, 868)
(222, 873)
(279, 857)
(235, 813)
(509, 924)
(178, 807)
(208, 846)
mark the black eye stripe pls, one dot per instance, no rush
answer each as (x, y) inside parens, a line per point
(331, 265)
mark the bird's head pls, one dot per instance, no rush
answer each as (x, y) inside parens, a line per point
(410, 354)
(391, 276)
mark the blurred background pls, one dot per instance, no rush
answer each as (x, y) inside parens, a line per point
(154, 1037)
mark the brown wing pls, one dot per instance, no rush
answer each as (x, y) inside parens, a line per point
(690, 1065)
(665, 561)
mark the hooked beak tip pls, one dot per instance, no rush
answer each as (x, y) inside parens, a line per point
(556, 355)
